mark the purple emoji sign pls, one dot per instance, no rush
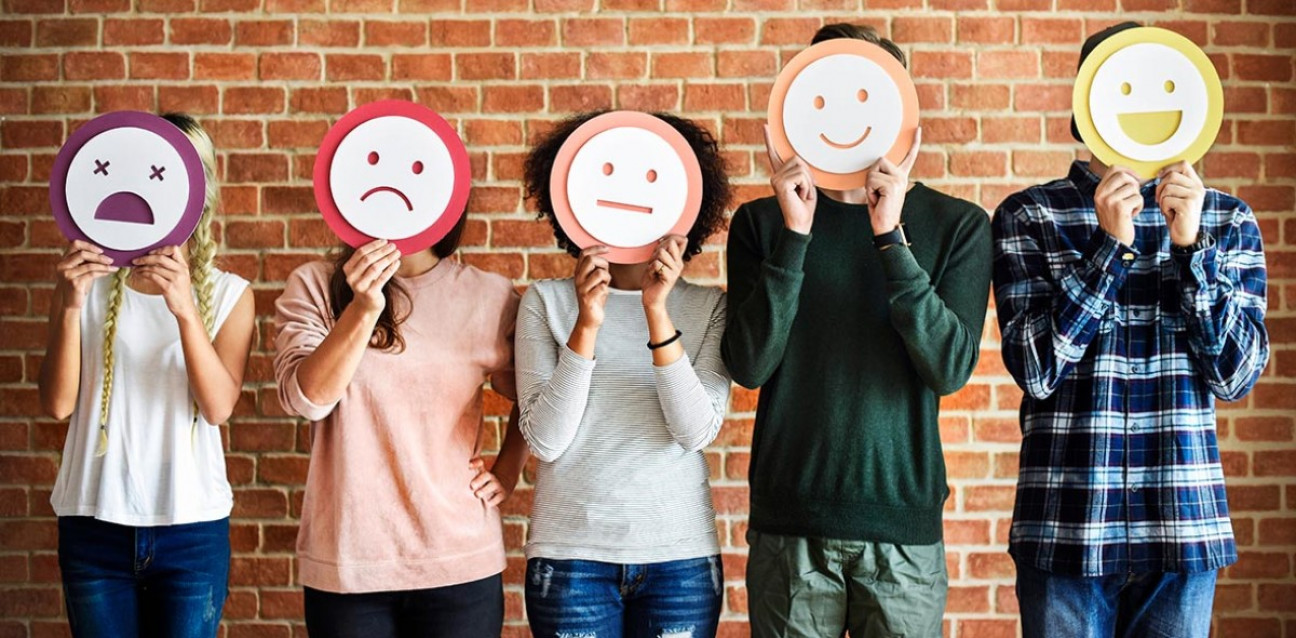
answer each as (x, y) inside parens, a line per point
(128, 182)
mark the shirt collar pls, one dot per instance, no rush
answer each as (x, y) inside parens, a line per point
(1087, 181)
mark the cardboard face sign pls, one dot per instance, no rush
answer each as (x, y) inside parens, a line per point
(1146, 98)
(841, 105)
(128, 182)
(392, 170)
(625, 180)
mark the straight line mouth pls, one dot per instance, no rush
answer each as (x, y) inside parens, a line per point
(389, 189)
(626, 207)
(846, 146)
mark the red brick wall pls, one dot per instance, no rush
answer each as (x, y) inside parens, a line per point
(268, 76)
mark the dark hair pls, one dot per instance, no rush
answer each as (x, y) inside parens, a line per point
(715, 183)
(386, 333)
(1089, 45)
(858, 32)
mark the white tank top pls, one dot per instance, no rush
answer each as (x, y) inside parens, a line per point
(158, 469)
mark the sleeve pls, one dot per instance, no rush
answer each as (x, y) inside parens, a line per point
(941, 325)
(504, 377)
(553, 382)
(693, 396)
(1222, 297)
(1048, 324)
(302, 321)
(764, 293)
(230, 290)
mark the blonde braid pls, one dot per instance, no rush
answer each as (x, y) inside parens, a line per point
(110, 338)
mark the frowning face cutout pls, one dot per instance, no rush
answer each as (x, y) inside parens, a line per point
(625, 180)
(392, 170)
(128, 182)
(1146, 98)
(841, 105)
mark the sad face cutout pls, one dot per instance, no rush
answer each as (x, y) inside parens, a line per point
(1146, 98)
(392, 170)
(841, 105)
(128, 182)
(625, 180)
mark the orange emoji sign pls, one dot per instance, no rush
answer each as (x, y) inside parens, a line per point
(841, 105)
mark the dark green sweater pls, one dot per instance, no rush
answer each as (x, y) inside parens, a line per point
(852, 348)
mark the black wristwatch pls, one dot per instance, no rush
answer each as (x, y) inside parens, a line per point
(896, 237)
(1204, 240)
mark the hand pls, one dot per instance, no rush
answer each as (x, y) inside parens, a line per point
(169, 269)
(1180, 196)
(663, 271)
(886, 186)
(368, 270)
(488, 487)
(82, 263)
(794, 187)
(1117, 200)
(592, 281)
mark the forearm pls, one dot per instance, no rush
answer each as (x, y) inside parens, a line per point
(660, 330)
(1225, 316)
(60, 373)
(553, 399)
(764, 297)
(215, 388)
(324, 375)
(513, 453)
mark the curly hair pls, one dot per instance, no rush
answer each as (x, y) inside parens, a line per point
(715, 184)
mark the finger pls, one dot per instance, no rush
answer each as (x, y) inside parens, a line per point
(775, 162)
(79, 245)
(480, 480)
(371, 247)
(1176, 191)
(387, 273)
(371, 275)
(885, 167)
(476, 462)
(597, 249)
(907, 163)
(91, 270)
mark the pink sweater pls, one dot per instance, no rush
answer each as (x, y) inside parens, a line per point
(387, 504)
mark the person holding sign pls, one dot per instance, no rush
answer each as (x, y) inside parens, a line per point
(147, 346)
(385, 351)
(856, 299)
(620, 381)
(1130, 297)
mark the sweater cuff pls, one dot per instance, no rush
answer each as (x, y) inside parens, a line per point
(789, 249)
(302, 405)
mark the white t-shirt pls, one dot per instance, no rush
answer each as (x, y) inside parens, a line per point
(158, 469)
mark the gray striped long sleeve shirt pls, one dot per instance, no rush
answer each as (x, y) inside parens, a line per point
(622, 477)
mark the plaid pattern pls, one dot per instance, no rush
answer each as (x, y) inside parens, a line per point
(1122, 351)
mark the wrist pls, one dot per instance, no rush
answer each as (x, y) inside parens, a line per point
(585, 326)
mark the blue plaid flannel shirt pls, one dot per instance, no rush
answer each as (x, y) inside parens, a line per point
(1122, 351)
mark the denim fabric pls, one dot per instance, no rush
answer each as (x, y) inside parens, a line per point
(1136, 605)
(590, 599)
(467, 610)
(121, 581)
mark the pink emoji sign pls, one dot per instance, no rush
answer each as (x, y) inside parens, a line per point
(624, 180)
(392, 170)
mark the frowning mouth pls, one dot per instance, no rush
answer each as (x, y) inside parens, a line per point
(845, 146)
(389, 189)
(626, 207)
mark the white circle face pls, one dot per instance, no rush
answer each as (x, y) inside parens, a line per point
(842, 112)
(1148, 102)
(391, 177)
(127, 188)
(627, 187)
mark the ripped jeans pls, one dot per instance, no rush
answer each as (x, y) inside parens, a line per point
(589, 599)
(126, 582)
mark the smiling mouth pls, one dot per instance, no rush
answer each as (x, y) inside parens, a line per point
(389, 189)
(1151, 128)
(845, 146)
(626, 207)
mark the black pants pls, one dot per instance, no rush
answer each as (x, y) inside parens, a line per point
(470, 610)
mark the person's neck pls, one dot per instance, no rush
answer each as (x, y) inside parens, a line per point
(1097, 167)
(415, 264)
(857, 196)
(628, 276)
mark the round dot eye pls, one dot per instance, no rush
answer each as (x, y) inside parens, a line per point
(373, 157)
(607, 168)
(819, 102)
(1169, 86)
(651, 176)
(1125, 88)
(417, 168)
(862, 95)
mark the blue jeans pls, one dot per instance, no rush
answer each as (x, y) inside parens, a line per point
(605, 600)
(468, 610)
(121, 581)
(1155, 604)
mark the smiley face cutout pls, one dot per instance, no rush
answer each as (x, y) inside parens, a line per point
(392, 170)
(1146, 98)
(128, 182)
(625, 180)
(841, 105)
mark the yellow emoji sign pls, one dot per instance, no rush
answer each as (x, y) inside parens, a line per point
(1147, 98)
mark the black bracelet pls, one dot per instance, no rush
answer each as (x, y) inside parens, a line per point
(654, 346)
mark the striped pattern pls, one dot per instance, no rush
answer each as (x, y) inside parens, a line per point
(622, 477)
(1122, 352)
